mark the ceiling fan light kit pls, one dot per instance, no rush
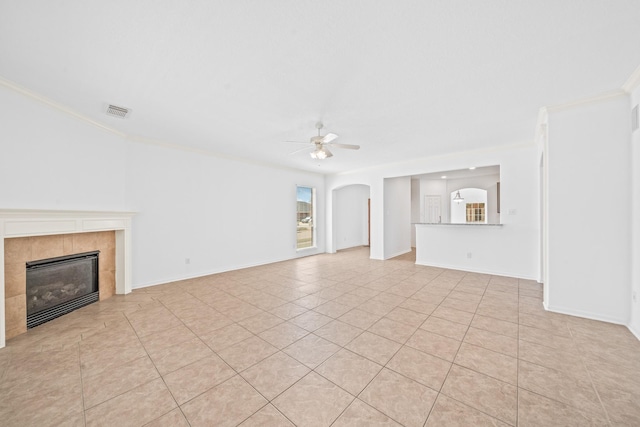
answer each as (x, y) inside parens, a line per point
(322, 143)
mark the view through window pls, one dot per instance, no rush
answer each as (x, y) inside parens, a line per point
(305, 219)
(475, 212)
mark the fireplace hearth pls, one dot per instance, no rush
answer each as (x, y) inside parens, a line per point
(57, 286)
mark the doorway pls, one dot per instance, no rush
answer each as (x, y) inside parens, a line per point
(432, 209)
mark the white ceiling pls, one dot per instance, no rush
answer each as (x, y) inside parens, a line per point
(403, 79)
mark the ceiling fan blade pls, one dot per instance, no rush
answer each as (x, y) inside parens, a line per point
(329, 137)
(297, 142)
(302, 149)
(347, 146)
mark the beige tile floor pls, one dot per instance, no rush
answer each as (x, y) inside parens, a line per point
(336, 340)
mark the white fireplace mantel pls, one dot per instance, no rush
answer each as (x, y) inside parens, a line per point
(25, 223)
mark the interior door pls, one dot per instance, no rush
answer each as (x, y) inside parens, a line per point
(432, 209)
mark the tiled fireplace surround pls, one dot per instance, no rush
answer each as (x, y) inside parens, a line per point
(28, 235)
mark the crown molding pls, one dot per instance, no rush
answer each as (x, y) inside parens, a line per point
(586, 101)
(633, 82)
(134, 138)
(57, 106)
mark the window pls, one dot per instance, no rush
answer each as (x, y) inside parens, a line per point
(305, 212)
(475, 212)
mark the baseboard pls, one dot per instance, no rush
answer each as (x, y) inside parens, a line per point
(585, 315)
(479, 270)
(218, 271)
(635, 332)
(398, 254)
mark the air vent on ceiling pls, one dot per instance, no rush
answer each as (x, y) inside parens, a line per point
(634, 119)
(114, 110)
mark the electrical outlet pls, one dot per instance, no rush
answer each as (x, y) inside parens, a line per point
(513, 211)
(635, 296)
(187, 260)
(469, 255)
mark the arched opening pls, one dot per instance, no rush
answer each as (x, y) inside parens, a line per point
(469, 205)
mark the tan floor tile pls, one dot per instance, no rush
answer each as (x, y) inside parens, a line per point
(227, 404)
(207, 323)
(96, 362)
(445, 328)
(562, 359)
(360, 319)
(419, 306)
(152, 320)
(390, 329)
(492, 341)
(268, 416)
(437, 345)
(260, 322)
(496, 365)
(247, 353)
(486, 394)
(310, 301)
(44, 405)
(495, 325)
(135, 407)
(622, 406)
(288, 311)
(543, 337)
(451, 413)
(468, 306)
(453, 315)
(275, 374)
(226, 337)
(568, 363)
(283, 334)
(421, 367)
(374, 347)
(535, 410)
(349, 371)
(179, 355)
(198, 377)
(313, 401)
(359, 414)
(338, 332)
(311, 350)
(400, 398)
(407, 316)
(156, 342)
(173, 418)
(376, 307)
(332, 309)
(559, 386)
(115, 381)
(311, 320)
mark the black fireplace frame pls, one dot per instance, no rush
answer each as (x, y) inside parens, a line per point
(48, 314)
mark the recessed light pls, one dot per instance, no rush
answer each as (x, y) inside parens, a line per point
(472, 168)
(444, 177)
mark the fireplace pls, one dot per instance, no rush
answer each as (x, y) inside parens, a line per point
(27, 235)
(57, 286)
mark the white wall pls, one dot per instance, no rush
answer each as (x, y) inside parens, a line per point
(635, 252)
(588, 203)
(415, 208)
(219, 213)
(397, 216)
(49, 160)
(350, 216)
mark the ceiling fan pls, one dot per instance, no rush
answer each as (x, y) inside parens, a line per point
(321, 144)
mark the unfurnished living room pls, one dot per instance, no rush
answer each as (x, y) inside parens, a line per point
(320, 213)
